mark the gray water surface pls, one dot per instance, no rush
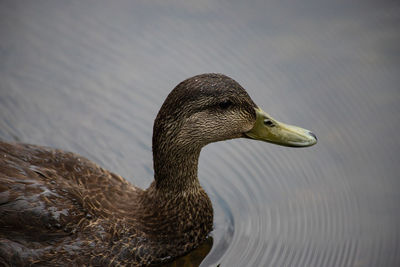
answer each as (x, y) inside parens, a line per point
(90, 76)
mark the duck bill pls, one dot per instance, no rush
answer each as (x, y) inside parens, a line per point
(270, 130)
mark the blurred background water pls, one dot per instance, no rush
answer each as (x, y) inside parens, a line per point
(90, 76)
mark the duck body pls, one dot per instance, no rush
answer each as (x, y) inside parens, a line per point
(54, 204)
(58, 208)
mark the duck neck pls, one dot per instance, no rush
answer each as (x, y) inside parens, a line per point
(176, 208)
(175, 169)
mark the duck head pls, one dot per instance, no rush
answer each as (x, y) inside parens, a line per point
(213, 107)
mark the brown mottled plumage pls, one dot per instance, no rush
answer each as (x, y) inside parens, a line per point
(58, 208)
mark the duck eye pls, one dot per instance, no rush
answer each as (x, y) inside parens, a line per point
(225, 104)
(269, 123)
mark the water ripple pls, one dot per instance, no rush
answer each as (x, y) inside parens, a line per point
(90, 78)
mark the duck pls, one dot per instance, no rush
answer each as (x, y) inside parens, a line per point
(59, 208)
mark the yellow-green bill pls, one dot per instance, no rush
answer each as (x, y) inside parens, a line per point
(270, 130)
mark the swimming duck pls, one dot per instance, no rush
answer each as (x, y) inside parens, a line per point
(58, 208)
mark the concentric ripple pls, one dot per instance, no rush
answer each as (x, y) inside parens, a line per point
(89, 77)
(285, 212)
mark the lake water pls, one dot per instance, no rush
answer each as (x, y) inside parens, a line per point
(90, 76)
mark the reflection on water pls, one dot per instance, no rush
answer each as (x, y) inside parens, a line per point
(90, 76)
(195, 257)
